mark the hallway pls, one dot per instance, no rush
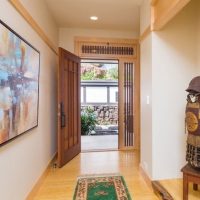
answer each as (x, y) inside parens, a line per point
(60, 183)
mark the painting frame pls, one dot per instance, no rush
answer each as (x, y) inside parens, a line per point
(37, 81)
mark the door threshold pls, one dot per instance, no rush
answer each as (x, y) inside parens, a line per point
(97, 150)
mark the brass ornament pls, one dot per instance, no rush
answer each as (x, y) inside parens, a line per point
(191, 122)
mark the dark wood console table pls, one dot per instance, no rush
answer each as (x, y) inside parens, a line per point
(190, 175)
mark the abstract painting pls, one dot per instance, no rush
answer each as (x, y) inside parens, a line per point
(19, 84)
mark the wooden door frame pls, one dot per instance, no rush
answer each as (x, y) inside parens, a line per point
(121, 58)
(136, 120)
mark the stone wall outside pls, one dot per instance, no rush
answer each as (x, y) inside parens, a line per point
(106, 114)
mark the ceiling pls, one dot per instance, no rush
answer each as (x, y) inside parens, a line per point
(113, 14)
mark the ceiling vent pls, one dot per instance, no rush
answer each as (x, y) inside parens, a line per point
(106, 48)
(111, 50)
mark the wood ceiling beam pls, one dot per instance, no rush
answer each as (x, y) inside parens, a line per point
(153, 2)
(165, 10)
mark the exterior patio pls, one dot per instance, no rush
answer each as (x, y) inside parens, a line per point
(99, 99)
(99, 142)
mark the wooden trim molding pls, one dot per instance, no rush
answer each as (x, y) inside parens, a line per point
(38, 184)
(105, 40)
(145, 34)
(164, 10)
(153, 2)
(145, 176)
(128, 148)
(81, 42)
(137, 110)
(161, 191)
(26, 15)
(158, 189)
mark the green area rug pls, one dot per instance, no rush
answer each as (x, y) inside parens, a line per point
(101, 187)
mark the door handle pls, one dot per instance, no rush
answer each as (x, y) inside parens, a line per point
(62, 120)
(63, 117)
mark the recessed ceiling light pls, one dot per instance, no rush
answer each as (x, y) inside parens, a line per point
(94, 18)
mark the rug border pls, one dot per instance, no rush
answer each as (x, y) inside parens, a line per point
(126, 187)
(102, 175)
(98, 175)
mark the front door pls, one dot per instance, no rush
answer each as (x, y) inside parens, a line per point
(69, 133)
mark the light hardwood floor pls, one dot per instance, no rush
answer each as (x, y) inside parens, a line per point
(175, 188)
(60, 183)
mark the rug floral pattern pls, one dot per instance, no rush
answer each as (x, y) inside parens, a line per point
(101, 188)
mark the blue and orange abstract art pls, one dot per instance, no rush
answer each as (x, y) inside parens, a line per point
(19, 84)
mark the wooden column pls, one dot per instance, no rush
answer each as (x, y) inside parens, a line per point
(164, 10)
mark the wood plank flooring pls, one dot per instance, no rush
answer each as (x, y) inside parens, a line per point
(60, 183)
(175, 188)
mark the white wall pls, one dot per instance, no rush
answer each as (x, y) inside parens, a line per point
(174, 62)
(146, 90)
(66, 35)
(23, 160)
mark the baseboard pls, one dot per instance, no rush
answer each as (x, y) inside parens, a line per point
(161, 191)
(158, 189)
(128, 149)
(146, 177)
(36, 187)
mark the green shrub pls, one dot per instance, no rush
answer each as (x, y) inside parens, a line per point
(112, 74)
(88, 75)
(88, 121)
(96, 73)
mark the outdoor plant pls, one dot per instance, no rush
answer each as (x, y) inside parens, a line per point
(97, 73)
(112, 74)
(88, 121)
(87, 73)
(92, 73)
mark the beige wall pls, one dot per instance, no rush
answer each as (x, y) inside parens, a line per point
(169, 60)
(146, 108)
(66, 35)
(198, 35)
(174, 61)
(145, 15)
(146, 91)
(23, 160)
(39, 11)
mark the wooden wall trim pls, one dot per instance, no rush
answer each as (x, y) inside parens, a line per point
(145, 177)
(161, 191)
(39, 182)
(146, 32)
(26, 15)
(158, 189)
(137, 110)
(153, 2)
(102, 40)
(136, 60)
(164, 10)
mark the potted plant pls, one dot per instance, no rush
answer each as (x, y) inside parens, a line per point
(88, 121)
